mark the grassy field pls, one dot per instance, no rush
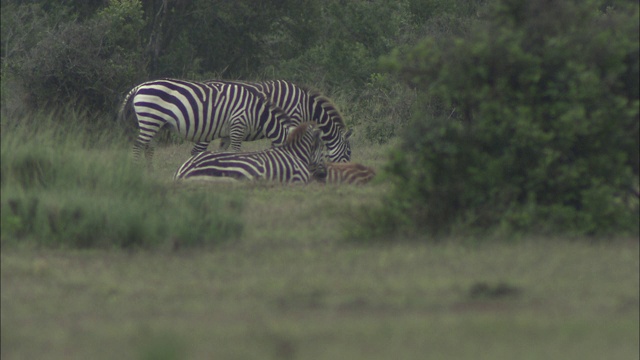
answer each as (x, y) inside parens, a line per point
(292, 287)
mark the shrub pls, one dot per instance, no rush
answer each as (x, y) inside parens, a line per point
(85, 220)
(528, 124)
(382, 108)
(349, 38)
(90, 62)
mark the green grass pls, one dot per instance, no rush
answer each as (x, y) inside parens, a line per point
(311, 299)
(290, 286)
(61, 190)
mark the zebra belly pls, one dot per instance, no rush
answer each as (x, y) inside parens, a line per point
(226, 165)
(249, 166)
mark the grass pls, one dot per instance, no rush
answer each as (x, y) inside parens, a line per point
(324, 300)
(59, 190)
(291, 287)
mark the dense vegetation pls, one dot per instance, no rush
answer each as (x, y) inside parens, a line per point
(527, 124)
(514, 116)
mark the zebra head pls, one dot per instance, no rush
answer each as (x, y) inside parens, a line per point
(306, 141)
(318, 155)
(317, 167)
(339, 147)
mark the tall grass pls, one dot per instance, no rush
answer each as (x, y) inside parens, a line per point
(70, 184)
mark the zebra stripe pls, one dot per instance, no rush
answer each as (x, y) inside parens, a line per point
(305, 105)
(345, 173)
(203, 112)
(293, 162)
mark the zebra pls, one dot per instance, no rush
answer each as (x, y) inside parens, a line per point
(303, 105)
(293, 162)
(202, 112)
(344, 173)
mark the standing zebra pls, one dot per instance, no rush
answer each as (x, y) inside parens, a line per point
(203, 112)
(305, 105)
(345, 173)
(295, 161)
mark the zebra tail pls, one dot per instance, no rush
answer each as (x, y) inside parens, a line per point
(129, 126)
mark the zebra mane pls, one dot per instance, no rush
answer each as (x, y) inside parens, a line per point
(298, 132)
(328, 106)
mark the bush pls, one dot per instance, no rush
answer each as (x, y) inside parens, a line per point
(84, 220)
(381, 109)
(348, 39)
(528, 124)
(90, 62)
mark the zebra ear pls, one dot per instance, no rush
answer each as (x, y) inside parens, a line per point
(317, 134)
(297, 132)
(347, 134)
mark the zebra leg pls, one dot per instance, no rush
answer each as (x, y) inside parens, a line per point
(144, 141)
(199, 147)
(148, 154)
(141, 146)
(138, 147)
(237, 134)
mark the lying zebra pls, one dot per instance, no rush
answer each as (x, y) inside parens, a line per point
(345, 173)
(293, 162)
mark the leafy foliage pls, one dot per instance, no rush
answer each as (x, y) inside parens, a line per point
(529, 123)
(523, 115)
(78, 62)
(91, 53)
(335, 44)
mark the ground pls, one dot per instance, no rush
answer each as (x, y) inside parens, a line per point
(293, 287)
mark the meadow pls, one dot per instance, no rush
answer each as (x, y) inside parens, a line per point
(101, 258)
(290, 284)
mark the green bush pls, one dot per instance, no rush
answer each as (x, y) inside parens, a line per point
(89, 62)
(60, 189)
(381, 109)
(87, 220)
(425, 10)
(529, 124)
(347, 39)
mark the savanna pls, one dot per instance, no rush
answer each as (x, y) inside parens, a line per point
(502, 221)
